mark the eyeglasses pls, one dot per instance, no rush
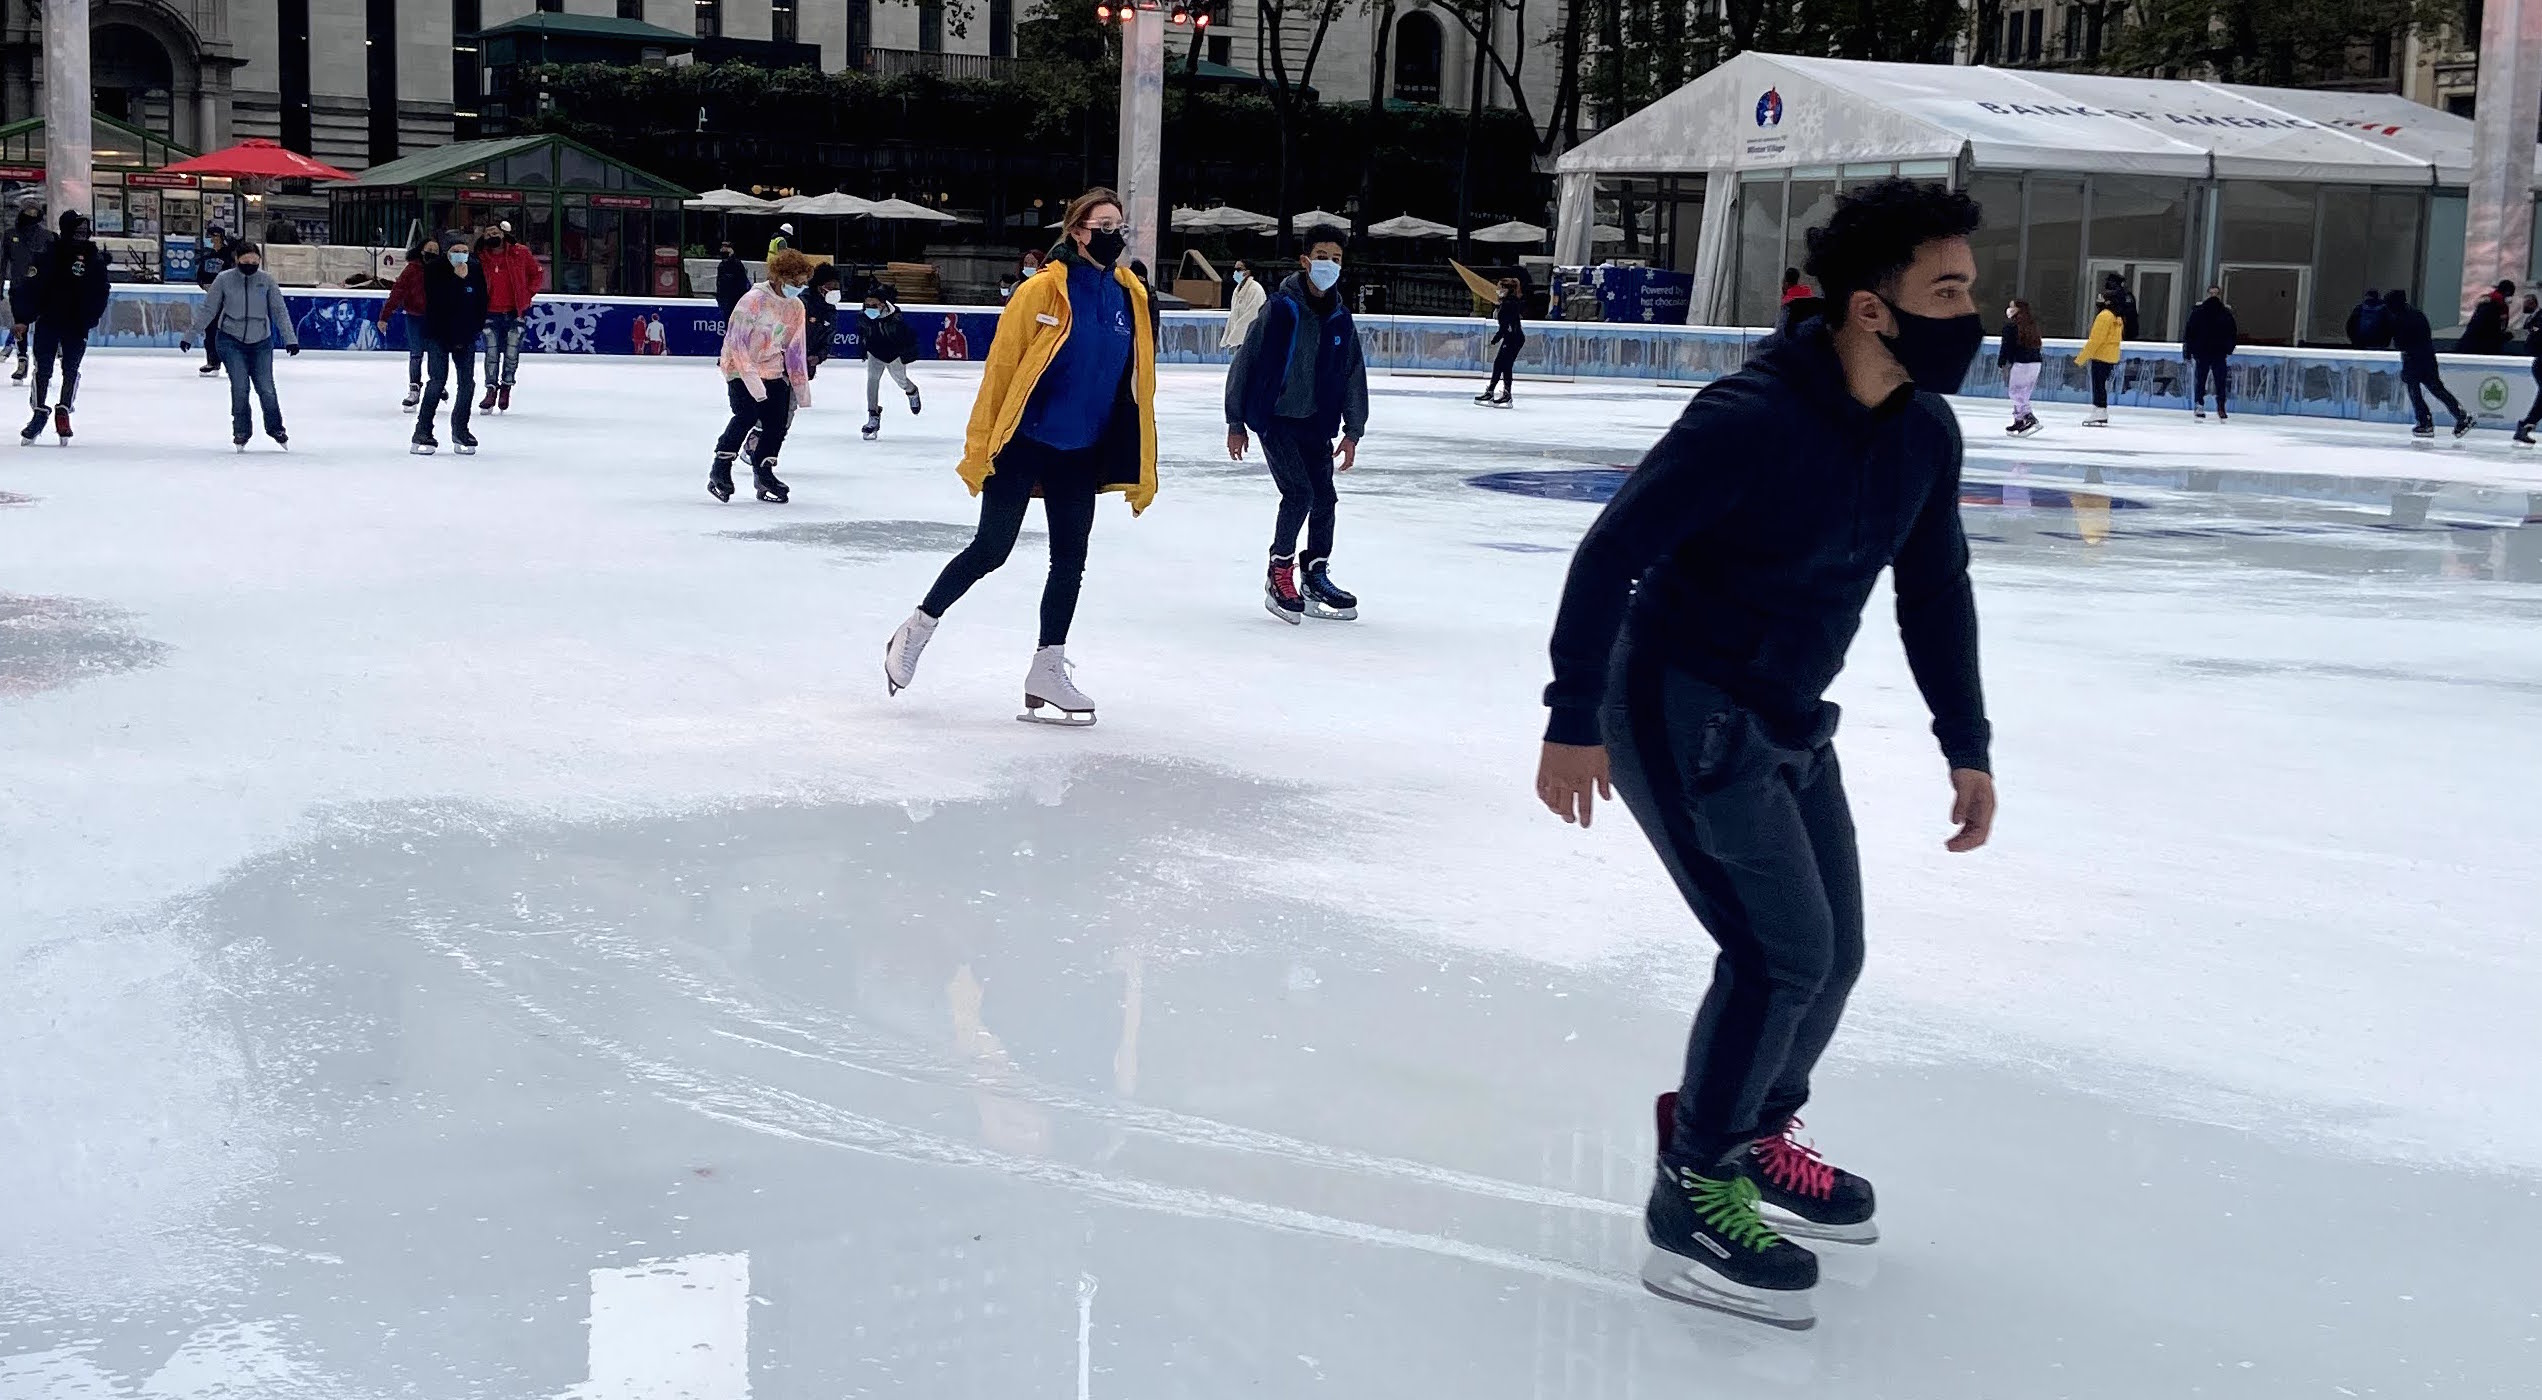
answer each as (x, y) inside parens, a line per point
(1121, 229)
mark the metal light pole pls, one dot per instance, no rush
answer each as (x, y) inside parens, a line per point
(1141, 181)
(67, 149)
(2498, 233)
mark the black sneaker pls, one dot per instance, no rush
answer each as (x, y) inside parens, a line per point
(1710, 1248)
(1807, 1196)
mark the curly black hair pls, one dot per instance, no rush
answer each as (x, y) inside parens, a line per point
(1324, 233)
(1876, 230)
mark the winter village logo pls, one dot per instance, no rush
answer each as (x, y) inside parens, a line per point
(1766, 145)
(1769, 109)
(2493, 393)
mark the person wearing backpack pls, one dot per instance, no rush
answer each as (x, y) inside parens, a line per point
(2369, 325)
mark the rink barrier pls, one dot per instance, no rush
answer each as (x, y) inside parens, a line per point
(2356, 385)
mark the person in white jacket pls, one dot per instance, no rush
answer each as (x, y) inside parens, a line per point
(1246, 305)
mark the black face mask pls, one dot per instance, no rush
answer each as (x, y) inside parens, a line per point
(1105, 246)
(1935, 351)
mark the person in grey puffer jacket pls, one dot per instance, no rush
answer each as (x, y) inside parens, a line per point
(244, 313)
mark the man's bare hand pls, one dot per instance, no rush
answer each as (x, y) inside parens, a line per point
(1346, 454)
(1236, 444)
(1973, 807)
(1570, 778)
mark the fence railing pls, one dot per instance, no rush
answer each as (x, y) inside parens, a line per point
(961, 67)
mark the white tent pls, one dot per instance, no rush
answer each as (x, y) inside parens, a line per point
(1773, 116)
(1223, 219)
(1514, 231)
(831, 205)
(1406, 226)
(1301, 222)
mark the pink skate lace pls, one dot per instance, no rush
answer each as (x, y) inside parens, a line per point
(1793, 1165)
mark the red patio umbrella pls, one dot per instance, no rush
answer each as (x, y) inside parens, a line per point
(258, 158)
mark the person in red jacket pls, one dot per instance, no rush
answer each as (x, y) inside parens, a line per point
(512, 278)
(406, 294)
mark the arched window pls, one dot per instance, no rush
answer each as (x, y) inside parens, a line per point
(1418, 43)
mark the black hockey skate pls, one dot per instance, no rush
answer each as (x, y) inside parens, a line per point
(719, 477)
(464, 442)
(239, 442)
(424, 445)
(2423, 430)
(873, 424)
(2462, 424)
(414, 395)
(1280, 597)
(913, 400)
(1710, 1248)
(1805, 1196)
(1323, 600)
(34, 426)
(62, 423)
(281, 439)
(2524, 435)
(763, 478)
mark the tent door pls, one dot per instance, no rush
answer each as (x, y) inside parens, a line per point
(2156, 286)
(2268, 300)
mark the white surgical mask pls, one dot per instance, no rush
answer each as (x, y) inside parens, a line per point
(1240, 277)
(1323, 273)
(791, 289)
(459, 261)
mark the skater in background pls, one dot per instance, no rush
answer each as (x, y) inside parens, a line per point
(2208, 342)
(2419, 372)
(2529, 320)
(2486, 331)
(2101, 351)
(1705, 614)
(215, 253)
(2122, 301)
(2368, 326)
(766, 376)
(1067, 411)
(820, 318)
(454, 316)
(1510, 337)
(890, 344)
(512, 281)
(70, 299)
(655, 343)
(1242, 307)
(783, 240)
(2533, 347)
(951, 343)
(732, 280)
(1299, 378)
(406, 298)
(2020, 355)
(23, 250)
(242, 315)
(1799, 303)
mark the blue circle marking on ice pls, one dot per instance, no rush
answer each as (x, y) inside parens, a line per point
(1598, 485)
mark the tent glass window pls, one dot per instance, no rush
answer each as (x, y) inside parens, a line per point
(1760, 248)
(2136, 218)
(2440, 284)
(1997, 242)
(2369, 238)
(2052, 276)
(2267, 222)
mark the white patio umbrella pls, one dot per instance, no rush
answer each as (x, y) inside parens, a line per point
(832, 205)
(728, 202)
(1605, 233)
(1312, 217)
(1226, 218)
(1406, 226)
(902, 211)
(1514, 231)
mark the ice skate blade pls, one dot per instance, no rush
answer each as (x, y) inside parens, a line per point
(1787, 1224)
(464, 450)
(1272, 606)
(1682, 1280)
(1322, 613)
(422, 449)
(1063, 719)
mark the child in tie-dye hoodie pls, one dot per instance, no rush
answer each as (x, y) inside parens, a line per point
(765, 375)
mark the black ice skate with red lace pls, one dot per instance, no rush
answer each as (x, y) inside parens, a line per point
(1807, 1197)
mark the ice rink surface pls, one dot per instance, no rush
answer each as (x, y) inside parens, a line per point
(475, 927)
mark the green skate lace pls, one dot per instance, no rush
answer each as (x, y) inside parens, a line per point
(1728, 1205)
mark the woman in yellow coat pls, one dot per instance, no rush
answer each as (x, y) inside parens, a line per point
(2100, 351)
(1066, 411)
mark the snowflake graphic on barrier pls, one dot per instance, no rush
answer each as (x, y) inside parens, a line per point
(567, 327)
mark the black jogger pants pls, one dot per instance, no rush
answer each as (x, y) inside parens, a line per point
(1067, 481)
(1757, 834)
(1301, 462)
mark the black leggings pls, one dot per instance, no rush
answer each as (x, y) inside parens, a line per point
(2101, 383)
(1505, 366)
(1067, 483)
(2419, 389)
(766, 419)
(1758, 837)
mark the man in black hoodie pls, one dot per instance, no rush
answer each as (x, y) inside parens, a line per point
(2208, 341)
(1705, 614)
(70, 299)
(22, 253)
(732, 280)
(2419, 374)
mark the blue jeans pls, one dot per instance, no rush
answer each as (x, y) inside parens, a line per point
(502, 347)
(414, 326)
(444, 362)
(250, 364)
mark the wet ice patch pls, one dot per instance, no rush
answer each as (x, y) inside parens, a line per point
(865, 539)
(46, 643)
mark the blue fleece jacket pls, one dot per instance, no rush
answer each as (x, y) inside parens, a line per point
(1075, 398)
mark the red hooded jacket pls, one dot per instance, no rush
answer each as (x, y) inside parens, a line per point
(512, 277)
